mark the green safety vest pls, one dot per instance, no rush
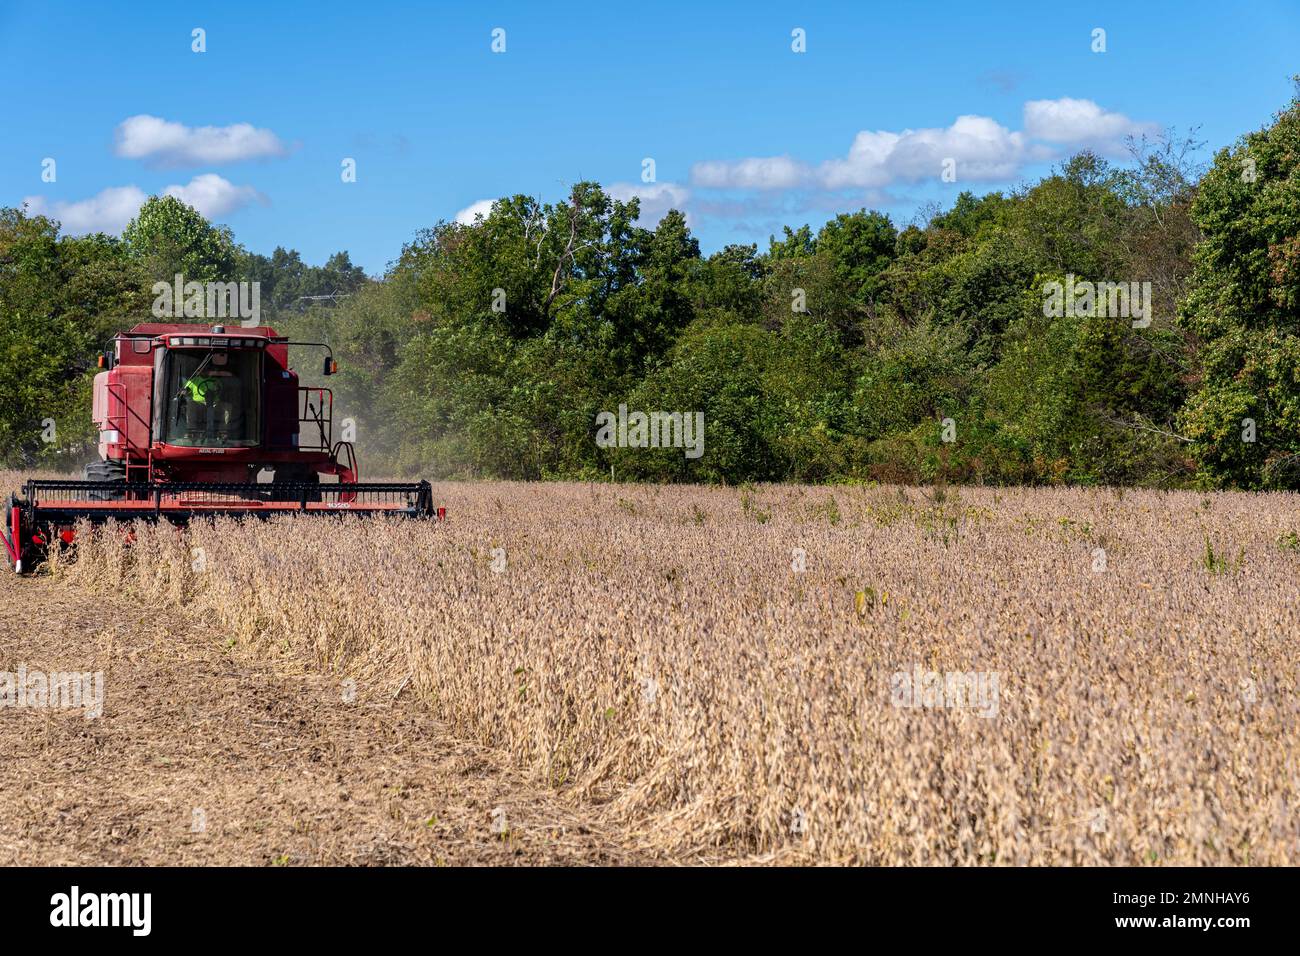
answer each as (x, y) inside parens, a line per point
(201, 387)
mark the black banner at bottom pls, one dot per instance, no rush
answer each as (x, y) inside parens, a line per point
(1148, 906)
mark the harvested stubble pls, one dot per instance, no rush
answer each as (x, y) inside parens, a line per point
(652, 649)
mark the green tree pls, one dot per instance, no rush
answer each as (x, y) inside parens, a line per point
(861, 246)
(60, 298)
(169, 238)
(1244, 308)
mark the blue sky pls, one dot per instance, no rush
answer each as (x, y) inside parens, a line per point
(745, 133)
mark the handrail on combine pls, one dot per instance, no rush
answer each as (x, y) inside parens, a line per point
(321, 414)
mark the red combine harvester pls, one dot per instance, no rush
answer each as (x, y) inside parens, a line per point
(196, 420)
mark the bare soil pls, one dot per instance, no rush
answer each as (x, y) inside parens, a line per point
(204, 755)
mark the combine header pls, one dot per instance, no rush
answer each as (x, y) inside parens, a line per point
(198, 421)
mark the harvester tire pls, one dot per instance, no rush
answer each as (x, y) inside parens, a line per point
(106, 471)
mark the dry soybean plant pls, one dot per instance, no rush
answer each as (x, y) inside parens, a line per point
(826, 674)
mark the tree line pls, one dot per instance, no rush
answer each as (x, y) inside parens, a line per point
(858, 351)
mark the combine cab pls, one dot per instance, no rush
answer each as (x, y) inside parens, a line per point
(198, 420)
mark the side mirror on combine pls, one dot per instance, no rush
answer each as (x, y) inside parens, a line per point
(331, 366)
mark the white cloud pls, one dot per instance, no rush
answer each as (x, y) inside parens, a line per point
(482, 207)
(773, 172)
(168, 143)
(108, 211)
(982, 149)
(1081, 123)
(866, 164)
(111, 209)
(214, 196)
(656, 199)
